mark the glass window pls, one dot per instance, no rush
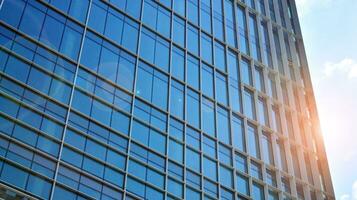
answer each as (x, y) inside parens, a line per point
(192, 40)
(254, 37)
(7, 10)
(176, 129)
(221, 89)
(259, 79)
(220, 58)
(190, 193)
(193, 138)
(246, 72)
(178, 63)
(193, 72)
(249, 108)
(226, 176)
(281, 158)
(175, 151)
(157, 18)
(209, 147)
(258, 192)
(241, 163)
(271, 179)
(230, 23)
(238, 133)
(253, 142)
(225, 155)
(206, 48)
(207, 80)
(242, 184)
(242, 29)
(175, 188)
(132, 7)
(193, 106)
(154, 49)
(32, 21)
(255, 170)
(180, 7)
(206, 15)
(208, 117)
(267, 148)
(210, 188)
(192, 11)
(223, 126)
(193, 160)
(266, 45)
(263, 111)
(209, 168)
(178, 33)
(152, 85)
(218, 19)
(177, 99)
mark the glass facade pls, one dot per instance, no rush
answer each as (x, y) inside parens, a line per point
(156, 99)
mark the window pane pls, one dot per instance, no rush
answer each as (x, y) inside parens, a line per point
(206, 48)
(223, 126)
(249, 109)
(178, 63)
(207, 80)
(193, 72)
(179, 30)
(221, 89)
(193, 106)
(208, 117)
(253, 143)
(177, 99)
(192, 40)
(220, 57)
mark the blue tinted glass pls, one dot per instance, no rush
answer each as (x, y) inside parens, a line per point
(163, 22)
(160, 90)
(206, 15)
(25, 135)
(108, 64)
(178, 31)
(218, 19)
(193, 138)
(193, 106)
(48, 146)
(192, 40)
(192, 194)
(175, 188)
(258, 192)
(116, 159)
(70, 43)
(144, 81)
(226, 177)
(162, 54)
(35, 76)
(242, 185)
(157, 141)
(101, 112)
(114, 26)
(93, 167)
(19, 72)
(79, 9)
(220, 58)
(207, 80)
(192, 11)
(32, 21)
(81, 102)
(7, 10)
(177, 99)
(230, 24)
(175, 151)
(249, 109)
(179, 7)
(97, 18)
(221, 88)
(238, 134)
(52, 32)
(209, 168)
(193, 72)
(206, 48)
(130, 35)
(147, 45)
(178, 63)
(208, 117)
(246, 72)
(193, 160)
(90, 54)
(253, 143)
(8, 107)
(39, 187)
(133, 7)
(14, 176)
(114, 177)
(120, 122)
(223, 126)
(126, 71)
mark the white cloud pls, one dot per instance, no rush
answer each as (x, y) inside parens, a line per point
(305, 6)
(345, 197)
(346, 66)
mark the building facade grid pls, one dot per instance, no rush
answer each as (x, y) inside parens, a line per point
(144, 99)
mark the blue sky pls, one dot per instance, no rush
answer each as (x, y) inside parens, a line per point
(330, 35)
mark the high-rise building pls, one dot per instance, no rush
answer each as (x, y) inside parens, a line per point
(164, 99)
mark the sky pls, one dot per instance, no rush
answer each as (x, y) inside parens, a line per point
(329, 29)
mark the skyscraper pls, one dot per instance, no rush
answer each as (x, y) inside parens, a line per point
(164, 99)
